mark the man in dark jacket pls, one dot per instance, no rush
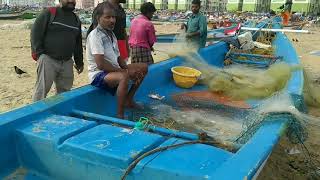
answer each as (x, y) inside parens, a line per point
(55, 38)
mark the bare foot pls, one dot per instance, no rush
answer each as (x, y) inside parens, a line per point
(133, 105)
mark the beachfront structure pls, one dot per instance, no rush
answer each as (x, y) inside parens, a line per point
(84, 4)
(314, 7)
(159, 4)
(212, 5)
(178, 4)
(306, 6)
(297, 6)
(39, 3)
(96, 2)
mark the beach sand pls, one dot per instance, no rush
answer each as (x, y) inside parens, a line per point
(282, 165)
(17, 91)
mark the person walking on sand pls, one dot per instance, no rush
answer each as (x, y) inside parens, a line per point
(142, 35)
(55, 38)
(196, 27)
(107, 70)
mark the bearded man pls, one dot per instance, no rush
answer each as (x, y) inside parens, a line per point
(55, 39)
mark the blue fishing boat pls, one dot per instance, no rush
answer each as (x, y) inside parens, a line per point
(74, 135)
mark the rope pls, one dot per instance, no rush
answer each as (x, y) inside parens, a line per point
(160, 149)
(313, 163)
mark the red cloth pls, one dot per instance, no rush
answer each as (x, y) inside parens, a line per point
(227, 24)
(285, 17)
(122, 45)
(232, 31)
(34, 56)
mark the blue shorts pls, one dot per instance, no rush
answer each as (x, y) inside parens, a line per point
(100, 83)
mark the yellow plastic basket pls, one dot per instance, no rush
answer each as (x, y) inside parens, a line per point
(185, 77)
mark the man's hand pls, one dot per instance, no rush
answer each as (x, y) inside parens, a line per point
(122, 63)
(183, 26)
(189, 35)
(79, 69)
(135, 74)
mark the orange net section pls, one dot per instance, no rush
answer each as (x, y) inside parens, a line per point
(207, 96)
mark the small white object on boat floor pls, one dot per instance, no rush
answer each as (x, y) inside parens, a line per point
(156, 96)
(261, 45)
(293, 151)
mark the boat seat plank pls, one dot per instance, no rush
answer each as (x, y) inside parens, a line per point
(101, 119)
(37, 142)
(55, 128)
(110, 145)
(185, 162)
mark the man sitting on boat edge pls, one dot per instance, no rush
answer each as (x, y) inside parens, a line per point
(107, 70)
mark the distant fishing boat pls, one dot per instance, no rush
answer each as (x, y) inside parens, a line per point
(10, 16)
(74, 135)
(213, 34)
(19, 15)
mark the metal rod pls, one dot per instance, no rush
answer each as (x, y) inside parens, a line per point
(275, 30)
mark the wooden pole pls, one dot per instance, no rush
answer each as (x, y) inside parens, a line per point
(275, 30)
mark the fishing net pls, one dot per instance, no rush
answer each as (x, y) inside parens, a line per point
(280, 104)
(231, 124)
(255, 50)
(311, 91)
(266, 37)
(241, 82)
(220, 110)
(262, 39)
(218, 124)
(238, 82)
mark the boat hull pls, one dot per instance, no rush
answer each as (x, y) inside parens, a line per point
(74, 135)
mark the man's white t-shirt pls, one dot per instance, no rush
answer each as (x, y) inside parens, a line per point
(98, 42)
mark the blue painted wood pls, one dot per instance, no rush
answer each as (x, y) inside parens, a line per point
(37, 140)
(111, 145)
(203, 165)
(126, 123)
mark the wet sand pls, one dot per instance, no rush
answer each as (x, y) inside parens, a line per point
(16, 91)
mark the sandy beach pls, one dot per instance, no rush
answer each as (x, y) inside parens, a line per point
(16, 91)
(283, 165)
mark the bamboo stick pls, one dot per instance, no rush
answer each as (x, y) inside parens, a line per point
(275, 30)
